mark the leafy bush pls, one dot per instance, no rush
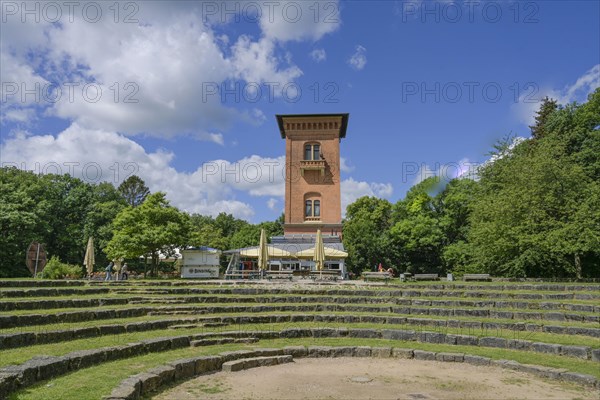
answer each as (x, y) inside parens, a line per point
(58, 270)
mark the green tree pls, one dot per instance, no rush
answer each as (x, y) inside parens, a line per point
(547, 108)
(208, 235)
(365, 234)
(538, 211)
(106, 205)
(66, 202)
(454, 205)
(21, 219)
(154, 226)
(134, 190)
(247, 236)
(416, 234)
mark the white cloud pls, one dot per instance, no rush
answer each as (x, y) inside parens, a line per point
(300, 20)
(100, 155)
(529, 102)
(22, 115)
(318, 55)
(173, 64)
(344, 166)
(20, 90)
(359, 58)
(352, 190)
(272, 203)
(255, 62)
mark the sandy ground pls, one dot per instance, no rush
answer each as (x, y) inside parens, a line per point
(355, 378)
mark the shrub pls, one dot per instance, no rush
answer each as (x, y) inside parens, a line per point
(58, 270)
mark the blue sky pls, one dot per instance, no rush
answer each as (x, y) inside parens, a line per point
(429, 85)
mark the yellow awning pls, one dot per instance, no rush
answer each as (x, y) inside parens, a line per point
(253, 252)
(329, 253)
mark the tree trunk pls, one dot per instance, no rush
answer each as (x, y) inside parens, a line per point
(578, 265)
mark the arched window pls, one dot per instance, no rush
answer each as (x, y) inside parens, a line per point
(312, 207)
(312, 152)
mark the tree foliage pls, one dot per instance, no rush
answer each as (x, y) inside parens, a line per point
(538, 130)
(365, 227)
(153, 227)
(538, 211)
(134, 190)
(57, 210)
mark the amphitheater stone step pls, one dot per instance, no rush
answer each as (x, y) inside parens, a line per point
(246, 363)
(222, 340)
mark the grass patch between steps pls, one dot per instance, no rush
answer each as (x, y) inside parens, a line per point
(20, 355)
(98, 381)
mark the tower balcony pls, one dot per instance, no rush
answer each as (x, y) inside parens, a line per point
(310, 165)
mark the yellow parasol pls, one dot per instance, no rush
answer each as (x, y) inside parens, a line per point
(89, 260)
(254, 252)
(328, 251)
(319, 256)
(263, 252)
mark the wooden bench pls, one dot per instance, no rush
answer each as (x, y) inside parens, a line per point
(242, 275)
(426, 277)
(279, 275)
(326, 274)
(375, 275)
(477, 277)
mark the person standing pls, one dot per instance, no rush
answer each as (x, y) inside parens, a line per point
(124, 275)
(108, 270)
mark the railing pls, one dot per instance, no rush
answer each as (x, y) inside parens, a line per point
(312, 219)
(315, 165)
(312, 164)
(235, 259)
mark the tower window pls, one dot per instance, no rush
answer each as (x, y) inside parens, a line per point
(312, 208)
(312, 152)
(308, 209)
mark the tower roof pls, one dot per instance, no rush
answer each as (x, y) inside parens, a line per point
(344, 116)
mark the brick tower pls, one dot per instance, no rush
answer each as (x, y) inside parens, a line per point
(312, 186)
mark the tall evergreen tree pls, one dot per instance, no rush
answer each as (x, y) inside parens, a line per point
(548, 106)
(134, 190)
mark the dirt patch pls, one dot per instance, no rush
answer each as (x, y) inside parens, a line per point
(356, 378)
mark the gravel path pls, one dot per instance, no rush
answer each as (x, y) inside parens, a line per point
(352, 378)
